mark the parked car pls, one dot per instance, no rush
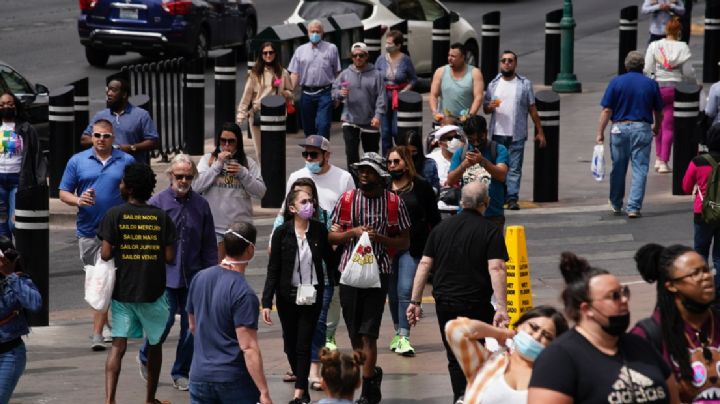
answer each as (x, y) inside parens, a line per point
(33, 96)
(420, 15)
(173, 27)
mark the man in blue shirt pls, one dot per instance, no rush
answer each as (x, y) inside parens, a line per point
(92, 183)
(134, 130)
(629, 102)
(195, 249)
(223, 311)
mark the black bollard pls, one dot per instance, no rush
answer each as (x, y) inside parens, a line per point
(711, 50)
(402, 26)
(546, 164)
(194, 107)
(410, 116)
(81, 101)
(628, 34)
(225, 78)
(490, 45)
(373, 39)
(61, 114)
(272, 132)
(552, 45)
(440, 41)
(686, 21)
(685, 145)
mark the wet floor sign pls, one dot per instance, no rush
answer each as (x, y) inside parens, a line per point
(519, 290)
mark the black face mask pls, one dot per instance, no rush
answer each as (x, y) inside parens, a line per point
(7, 113)
(694, 306)
(617, 325)
(397, 174)
(507, 73)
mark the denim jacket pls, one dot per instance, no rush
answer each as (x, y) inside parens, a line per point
(17, 292)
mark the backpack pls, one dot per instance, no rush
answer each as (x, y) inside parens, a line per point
(393, 212)
(711, 199)
(653, 332)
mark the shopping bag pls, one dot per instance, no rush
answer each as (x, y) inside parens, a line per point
(361, 270)
(597, 165)
(99, 283)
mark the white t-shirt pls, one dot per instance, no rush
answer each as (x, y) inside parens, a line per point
(505, 113)
(10, 161)
(330, 185)
(443, 165)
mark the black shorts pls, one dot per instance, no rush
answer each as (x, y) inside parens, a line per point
(363, 309)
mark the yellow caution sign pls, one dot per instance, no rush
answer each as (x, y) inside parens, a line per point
(519, 290)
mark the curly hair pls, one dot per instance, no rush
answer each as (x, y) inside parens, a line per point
(139, 180)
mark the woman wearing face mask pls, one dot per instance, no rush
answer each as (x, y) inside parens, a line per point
(228, 179)
(427, 166)
(596, 361)
(399, 74)
(684, 327)
(502, 377)
(295, 276)
(22, 163)
(419, 200)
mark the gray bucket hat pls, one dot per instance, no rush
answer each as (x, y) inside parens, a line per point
(375, 161)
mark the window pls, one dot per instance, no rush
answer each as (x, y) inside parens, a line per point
(432, 9)
(14, 82)
(325, 8)
(409, 10)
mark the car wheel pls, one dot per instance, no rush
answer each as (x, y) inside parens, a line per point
(201, 46)
(473, 54)
(95, 57)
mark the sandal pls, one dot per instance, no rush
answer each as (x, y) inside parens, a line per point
(156, 401)
(316, 385)
(289, 377)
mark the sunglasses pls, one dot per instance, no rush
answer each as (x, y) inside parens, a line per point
(180, 177)
(268, 53)
(98, 135)
(312, 154)
(224, 140)
(394, 162)
(359, 55)
(617, 295)
(449, 138)
(507, 60)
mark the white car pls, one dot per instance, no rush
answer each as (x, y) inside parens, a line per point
(419, 14)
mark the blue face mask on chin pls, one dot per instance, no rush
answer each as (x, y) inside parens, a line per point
(313, 166)
(315, 37)
(527, 346)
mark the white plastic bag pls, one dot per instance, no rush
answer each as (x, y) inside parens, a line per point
(597, 165)
(99, 283)
(361, 270)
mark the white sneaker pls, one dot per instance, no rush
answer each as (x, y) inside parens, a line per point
(107, 334)
(657, 163)
(664, 168)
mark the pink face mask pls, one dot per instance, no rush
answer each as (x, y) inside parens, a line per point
(306, 211)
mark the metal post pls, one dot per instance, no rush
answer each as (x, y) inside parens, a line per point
(685, 145)
(711, 50)
(552, 45)
(402, 26)
(628, 34)
(566, 81)
(61, 114)
(81, 101)
(373, 39)
(686, 21)
(490, 45)
(194, 107)
(225, 72)
(440, 41)
(409, 117)
(546, 164)
(273, 161)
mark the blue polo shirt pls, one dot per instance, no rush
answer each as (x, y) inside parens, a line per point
(496, 189)
(84, 170)
(632, 97)
(132, 126)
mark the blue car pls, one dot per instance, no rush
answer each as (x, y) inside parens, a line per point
(170, 27)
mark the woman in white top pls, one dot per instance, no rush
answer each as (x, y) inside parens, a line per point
(665, 61)
(503, 376)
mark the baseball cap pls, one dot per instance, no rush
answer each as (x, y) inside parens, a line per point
(359, 46)
(316, 141)
(444, 130)
(375, 161)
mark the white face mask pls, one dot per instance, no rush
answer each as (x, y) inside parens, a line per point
(453, 145)
(225, 261)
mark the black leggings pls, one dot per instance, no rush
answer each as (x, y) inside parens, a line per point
(353, 136)
(298, 325)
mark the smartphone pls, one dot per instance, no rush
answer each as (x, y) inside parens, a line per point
(471, 148)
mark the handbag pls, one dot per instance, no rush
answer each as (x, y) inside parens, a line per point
(99, 283)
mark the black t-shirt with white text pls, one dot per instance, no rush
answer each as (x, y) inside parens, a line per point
(573, 366)
(139, 235)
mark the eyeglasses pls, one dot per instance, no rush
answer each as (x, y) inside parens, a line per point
(359, 55)
(312, 154)
(617, 295)
(696, 274)
(394, 162)
(224, 140)
(268, 53)
(507, 60)
(180, 177)
(98, 135)
(543, 333)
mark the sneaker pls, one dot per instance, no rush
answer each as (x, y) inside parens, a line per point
(404, 348)
(634, 215)
(330, 343)
(304, 400)
(460, 400)
(658, 162)
(97, 343)
(181, 383)
(615, 211)
(664, 168)
(142, 367)
(513, 205)
(394, 343)
(107, 334)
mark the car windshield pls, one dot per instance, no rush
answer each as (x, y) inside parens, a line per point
(326, 8)
(14, 82)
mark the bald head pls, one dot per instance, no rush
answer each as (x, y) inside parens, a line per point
(474, 196)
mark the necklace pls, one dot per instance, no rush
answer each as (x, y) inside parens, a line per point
(704, 339)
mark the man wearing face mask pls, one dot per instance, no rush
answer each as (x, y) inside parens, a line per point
(509, 99)
(449, 141)
(382, 214)
(314, 66)
(195, 249)
(483, 161)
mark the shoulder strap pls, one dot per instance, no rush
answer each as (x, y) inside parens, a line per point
(393, 207)
(652, 331)
(710, 160)
(346, 207)
(493, 151)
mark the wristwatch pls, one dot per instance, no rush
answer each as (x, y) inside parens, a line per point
(133, 148)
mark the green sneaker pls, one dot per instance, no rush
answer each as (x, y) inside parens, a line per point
(330, 343)
(404, 348)
(394, 343)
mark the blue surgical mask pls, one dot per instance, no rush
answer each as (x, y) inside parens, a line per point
(313, 166)
(527, 346)
(315, 37)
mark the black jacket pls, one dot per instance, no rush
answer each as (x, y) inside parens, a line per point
(282, 260)
(33, 169)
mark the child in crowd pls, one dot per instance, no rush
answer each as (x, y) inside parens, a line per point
(340, 375)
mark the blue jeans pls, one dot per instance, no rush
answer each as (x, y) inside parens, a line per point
(705, 236)
(516, 155)
(177, 300)
(12, 365)
(8, 189)
(400, 288)
(318, 340)
(316, 113)
(388, 129)
(241, 391)
(631, 145)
